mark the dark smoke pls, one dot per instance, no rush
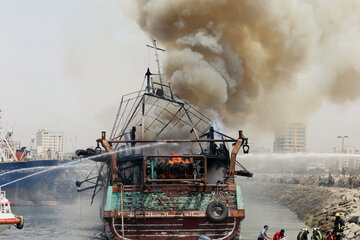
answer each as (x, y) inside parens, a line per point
(258, 62)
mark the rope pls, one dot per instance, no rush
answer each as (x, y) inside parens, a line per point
(165, 205)
(240, 165)
(122, 210)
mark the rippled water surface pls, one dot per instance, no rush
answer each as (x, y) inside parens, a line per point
(76, 220)
(259, 213)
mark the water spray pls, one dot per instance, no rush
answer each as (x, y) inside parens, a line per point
(296, 156)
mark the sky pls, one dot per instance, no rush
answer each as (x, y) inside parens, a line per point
(64, 66)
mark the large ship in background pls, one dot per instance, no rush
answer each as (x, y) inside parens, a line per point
(167, 172)
(31, 180)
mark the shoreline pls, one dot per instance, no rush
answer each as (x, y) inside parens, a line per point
(314, 205)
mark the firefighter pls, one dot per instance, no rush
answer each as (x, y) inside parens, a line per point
(303, 234)
(317, 235)
(339, 226)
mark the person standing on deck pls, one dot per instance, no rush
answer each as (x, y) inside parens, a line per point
(263, 234)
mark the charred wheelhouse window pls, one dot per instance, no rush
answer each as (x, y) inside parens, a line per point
(175, 168)
(169, 168)
(130, 169)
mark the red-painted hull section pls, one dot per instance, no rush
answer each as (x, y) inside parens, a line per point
(174, 228)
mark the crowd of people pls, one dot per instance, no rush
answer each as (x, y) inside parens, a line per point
(336, 234)
(352, 181)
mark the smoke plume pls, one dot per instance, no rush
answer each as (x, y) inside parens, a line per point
(258, 62)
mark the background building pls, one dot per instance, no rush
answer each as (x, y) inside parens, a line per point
(258, 148)
(290, 137)
(350, 162)
(49, 144)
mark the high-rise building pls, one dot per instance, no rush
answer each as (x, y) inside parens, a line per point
(290, 137)
(49, 144)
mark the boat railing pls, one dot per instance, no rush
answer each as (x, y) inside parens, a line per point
(4, 203)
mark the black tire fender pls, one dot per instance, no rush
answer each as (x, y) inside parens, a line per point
(210, 211)
(20, 225)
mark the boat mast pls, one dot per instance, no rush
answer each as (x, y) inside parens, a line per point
(157, 61)
(148, 87)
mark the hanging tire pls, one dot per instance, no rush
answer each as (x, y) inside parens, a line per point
(20, 225)
(212, 211)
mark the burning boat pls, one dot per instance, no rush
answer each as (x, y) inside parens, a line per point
(167, 172)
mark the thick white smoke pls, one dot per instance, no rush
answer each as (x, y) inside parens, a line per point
(258, 62)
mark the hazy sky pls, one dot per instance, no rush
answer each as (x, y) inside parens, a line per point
(64, 66)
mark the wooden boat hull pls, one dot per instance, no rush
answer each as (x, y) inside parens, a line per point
(188, 228)
(175, 212)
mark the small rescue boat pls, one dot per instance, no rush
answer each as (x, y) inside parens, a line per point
(7, 218)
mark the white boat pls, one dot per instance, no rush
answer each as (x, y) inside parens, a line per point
(7, 218)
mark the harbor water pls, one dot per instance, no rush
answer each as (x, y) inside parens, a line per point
(259, 213)
(78, 220)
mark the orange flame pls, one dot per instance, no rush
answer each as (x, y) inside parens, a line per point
(178, 159)
(174, 160)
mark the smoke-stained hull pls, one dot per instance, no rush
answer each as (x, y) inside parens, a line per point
(176, 212)
(176, 227)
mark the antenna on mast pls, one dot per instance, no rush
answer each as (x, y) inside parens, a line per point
(157, 61)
